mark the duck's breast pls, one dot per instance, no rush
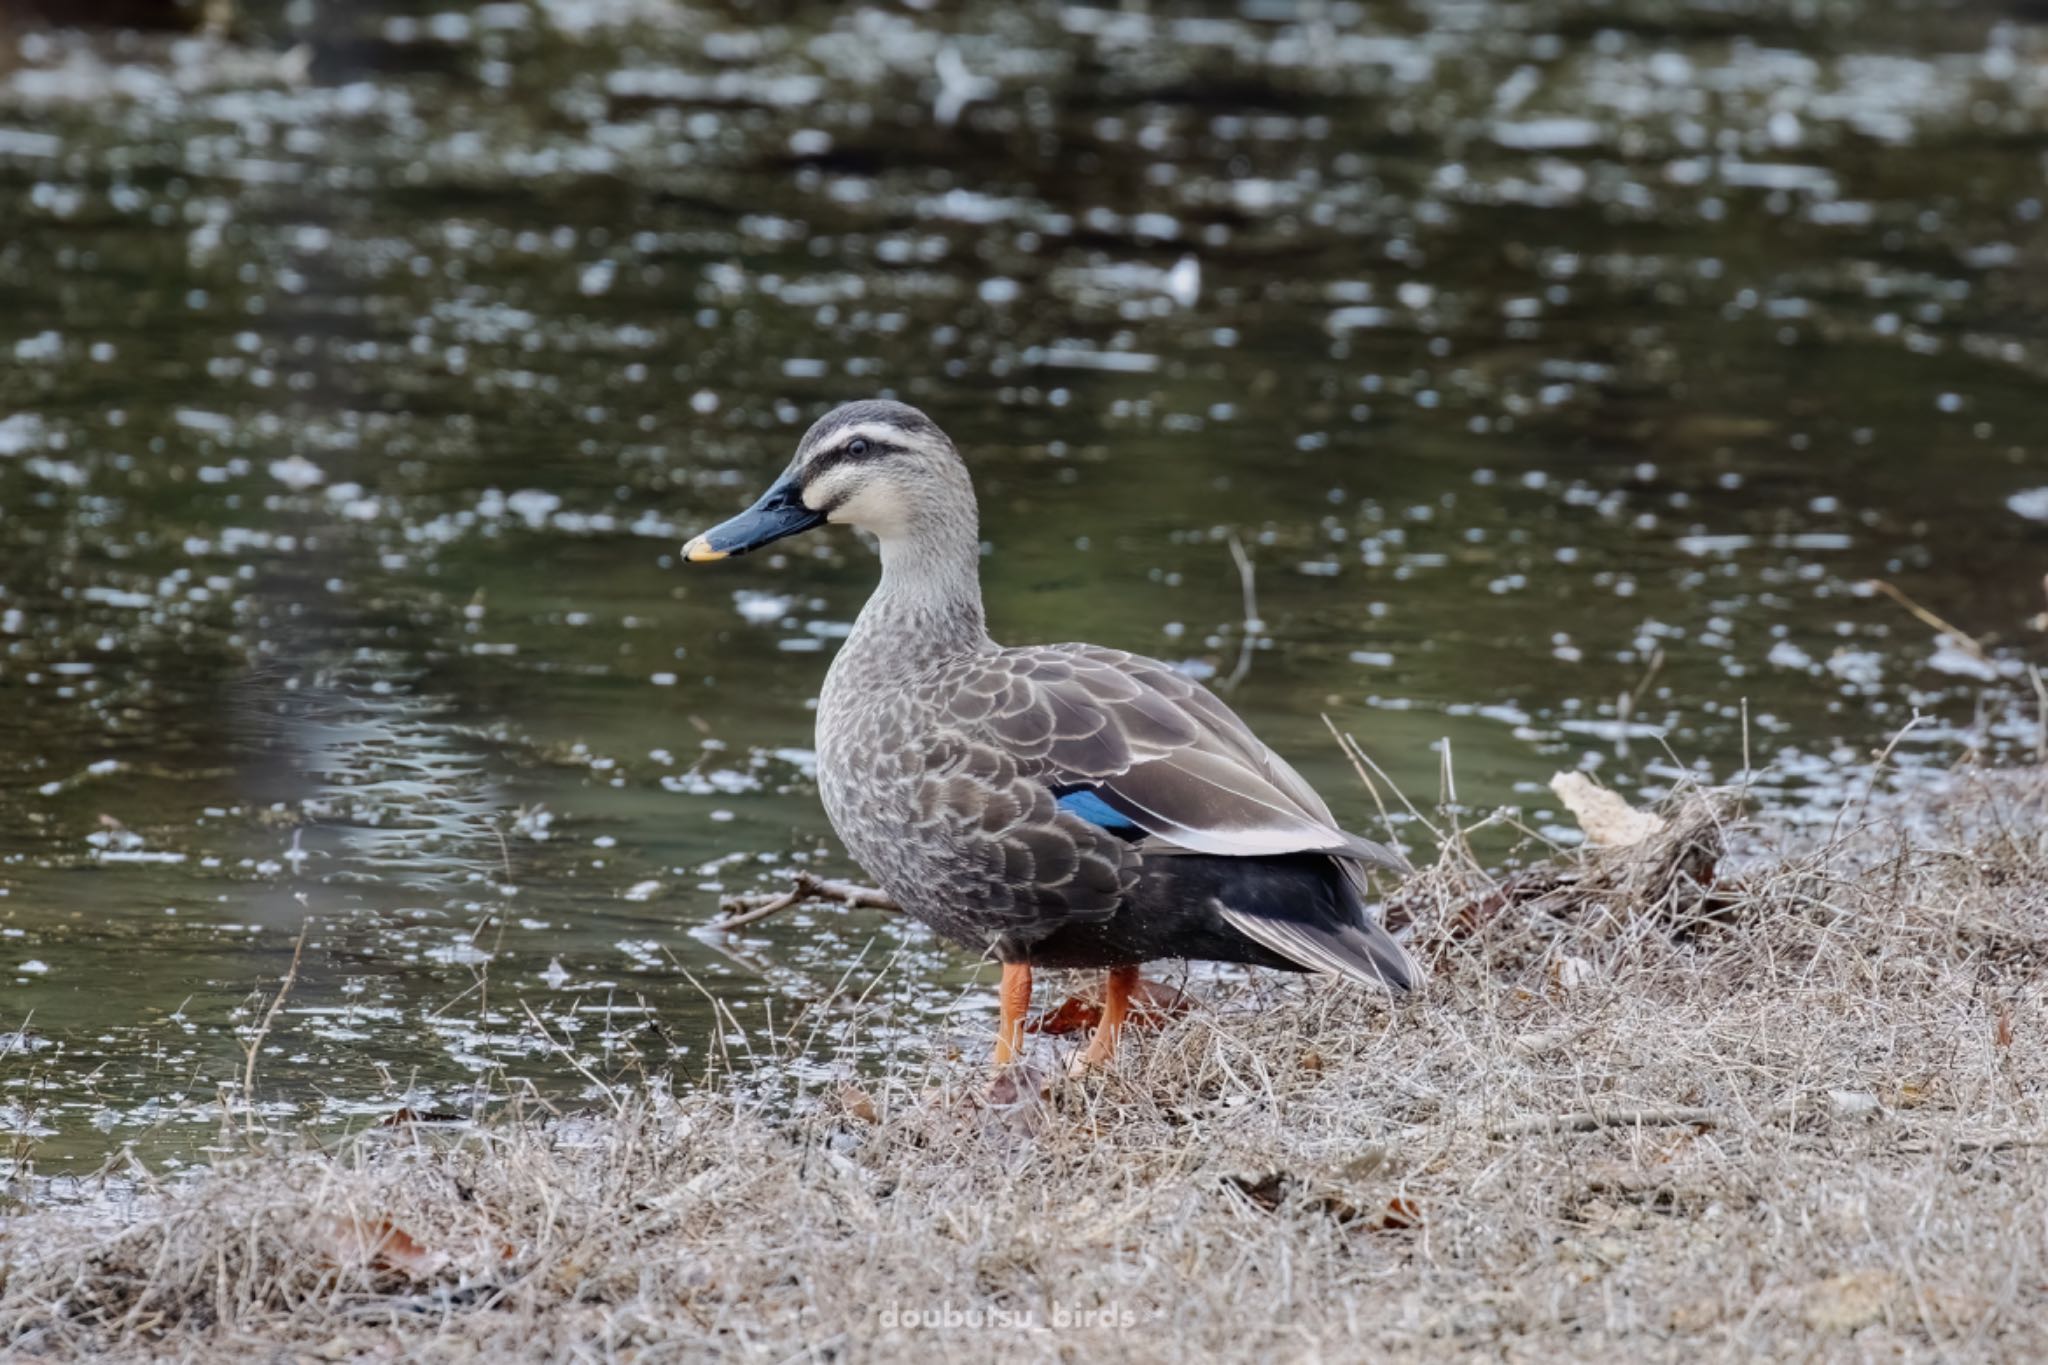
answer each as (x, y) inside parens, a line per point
(871, 759)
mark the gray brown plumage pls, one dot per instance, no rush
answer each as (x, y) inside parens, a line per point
(1060, 805)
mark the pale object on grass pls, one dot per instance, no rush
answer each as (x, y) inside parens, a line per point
(1609, 821)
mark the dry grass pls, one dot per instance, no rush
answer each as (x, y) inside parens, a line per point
(1797, 1113)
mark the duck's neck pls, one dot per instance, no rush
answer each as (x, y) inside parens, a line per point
(928, 605)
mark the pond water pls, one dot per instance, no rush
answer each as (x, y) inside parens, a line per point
(1566, 370)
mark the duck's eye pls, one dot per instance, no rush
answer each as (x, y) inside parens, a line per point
(857, 447)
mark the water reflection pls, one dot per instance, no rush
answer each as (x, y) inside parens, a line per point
(1566, 374)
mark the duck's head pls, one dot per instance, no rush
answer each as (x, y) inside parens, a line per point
(878, 466)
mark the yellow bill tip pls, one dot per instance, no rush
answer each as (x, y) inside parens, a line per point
(699, 551)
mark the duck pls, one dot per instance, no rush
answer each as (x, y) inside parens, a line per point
(1048, 806)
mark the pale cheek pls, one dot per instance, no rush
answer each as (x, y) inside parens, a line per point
(869, 511)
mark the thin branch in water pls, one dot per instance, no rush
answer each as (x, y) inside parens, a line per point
(284, 988)
(563, 1051)
(504, 851)
(1371, 787)
(1254, 626)
(1625, 705)
(735, 911)
(17, 1041)
(2041, 713)
(1876, 774)
(1635, 698)
(1926, 617)
(1447, 787)
(1360, 758)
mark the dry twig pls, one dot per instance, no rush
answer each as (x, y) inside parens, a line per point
(1623, 1116)
(1253, 627)
(735, 911)
(255, 1044)
(1928, 618)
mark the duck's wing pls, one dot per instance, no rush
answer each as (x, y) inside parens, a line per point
(1069, 765)
(1153, 745)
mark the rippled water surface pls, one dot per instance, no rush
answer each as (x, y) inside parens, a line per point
(1566, 371)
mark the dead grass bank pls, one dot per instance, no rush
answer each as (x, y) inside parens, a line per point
(1793, 1110)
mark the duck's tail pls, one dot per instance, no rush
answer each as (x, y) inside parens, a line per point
(1363, 951)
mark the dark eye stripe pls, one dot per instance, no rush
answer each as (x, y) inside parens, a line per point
(841, 454)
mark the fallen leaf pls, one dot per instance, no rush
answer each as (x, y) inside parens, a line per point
(858, 1104)
(1401, 1215)
(1152, 1003)
(378, 1244)
(1072, 1015)
(2001, 1029)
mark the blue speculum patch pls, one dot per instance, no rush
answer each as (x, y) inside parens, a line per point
(1097, 811)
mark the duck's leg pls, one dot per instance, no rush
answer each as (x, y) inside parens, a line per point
(1116, 1007)
(1015, 998)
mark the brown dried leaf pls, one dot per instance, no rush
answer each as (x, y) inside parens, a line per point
(1152, 1003)
(1072, 1015)
(1402, 1215)
(378, 1244)
(858, 1104)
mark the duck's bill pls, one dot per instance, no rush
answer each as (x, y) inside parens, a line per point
(779, 512)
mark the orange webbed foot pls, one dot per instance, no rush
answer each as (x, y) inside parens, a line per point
(1117, 993)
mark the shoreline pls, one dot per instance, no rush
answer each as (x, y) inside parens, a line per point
(1790, 1108)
